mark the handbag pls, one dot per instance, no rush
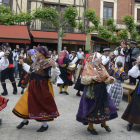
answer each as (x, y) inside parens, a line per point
(90, 92)
(72, 67)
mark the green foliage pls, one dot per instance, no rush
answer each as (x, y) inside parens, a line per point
(70, 13)
(91, 16)
(90, 29)
(123, 34)
(49, 13)
(134, 34)
(109, 21)
(80, 26)
(116, 39)
(104, 33)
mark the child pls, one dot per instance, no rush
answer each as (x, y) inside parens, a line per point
(116, 90)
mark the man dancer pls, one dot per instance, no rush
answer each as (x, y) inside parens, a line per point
(106, 57)
(8, 71)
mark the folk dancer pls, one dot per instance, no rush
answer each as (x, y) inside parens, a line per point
(37, 102)
(96, 105)
(116, 90)
(4, 63)
(132, 112)
(65, 78)
(78, 86)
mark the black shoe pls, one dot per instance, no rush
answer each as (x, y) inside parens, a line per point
(129, 126)
(66, 92)
(22, 92)
(78, 94)
(22, 124)
(93, 132)
(4, 93)
(106, 128)
(42, 129)
(61, 92)
(15, 92)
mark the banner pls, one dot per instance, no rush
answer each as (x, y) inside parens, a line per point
(88, 42)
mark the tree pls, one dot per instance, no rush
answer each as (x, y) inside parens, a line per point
(51, 18)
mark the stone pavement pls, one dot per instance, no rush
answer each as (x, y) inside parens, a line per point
(64, 127)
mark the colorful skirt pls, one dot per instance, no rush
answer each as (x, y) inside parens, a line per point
(38, 102)
(3, 102)
(96, 111)
(116, 92)
(132, 112)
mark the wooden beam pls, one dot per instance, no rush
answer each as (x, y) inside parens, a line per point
(63, 4)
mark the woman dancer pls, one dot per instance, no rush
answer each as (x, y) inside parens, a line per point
(96, 105)
(132, 112)
(4, 63)
(65, 78)
(25, 76)
(78, 86)
(38, 101)
(116, 90)
(119, 53)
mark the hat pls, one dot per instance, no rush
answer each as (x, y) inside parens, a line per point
(106, 48)
(133, 42)
(73, 51)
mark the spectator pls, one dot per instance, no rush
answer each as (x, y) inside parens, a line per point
(50, 53)
(34, 47)
(15, 58)
(133, 53)
(79, 55)
(65, 49)
(21, 55)
(54, 55)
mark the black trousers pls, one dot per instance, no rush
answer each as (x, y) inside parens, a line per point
(131, 79)
(20, 70)
(7, 72)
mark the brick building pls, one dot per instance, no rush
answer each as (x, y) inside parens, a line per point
(115, 9)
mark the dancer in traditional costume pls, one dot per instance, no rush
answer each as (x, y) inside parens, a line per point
(65, 78)
(132, 112)
(120, 54)
(8, 72)
(24, 80)
(116, 90)
(4, 63)
(96, 105)
(37, 102)
(78, 86)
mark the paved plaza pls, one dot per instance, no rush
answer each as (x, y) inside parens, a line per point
(64, 127)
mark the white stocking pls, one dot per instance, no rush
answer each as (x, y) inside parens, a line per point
(44, 124)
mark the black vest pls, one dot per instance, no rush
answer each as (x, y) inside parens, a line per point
(10, 57)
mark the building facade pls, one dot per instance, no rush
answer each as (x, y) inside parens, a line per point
(115, 9)
(36, 25)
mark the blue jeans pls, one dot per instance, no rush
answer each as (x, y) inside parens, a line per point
(16, 69)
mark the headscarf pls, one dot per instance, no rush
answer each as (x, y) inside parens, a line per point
(124, 42)
(31, 53)
(62, 55)
(87, 58)
(43, 50)
(96, 56)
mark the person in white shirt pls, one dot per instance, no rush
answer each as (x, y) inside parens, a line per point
(65, 49)
(119, 52)
(79, 55)
(106, 57)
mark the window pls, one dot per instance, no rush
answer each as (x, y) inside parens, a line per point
(107, 11)
(0, 2)
(138, 15)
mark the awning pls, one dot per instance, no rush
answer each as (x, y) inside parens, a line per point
(14, 34)
(52, 37)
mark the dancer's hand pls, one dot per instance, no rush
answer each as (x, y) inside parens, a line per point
(21, 61)
(52, 62)
(128, 46)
